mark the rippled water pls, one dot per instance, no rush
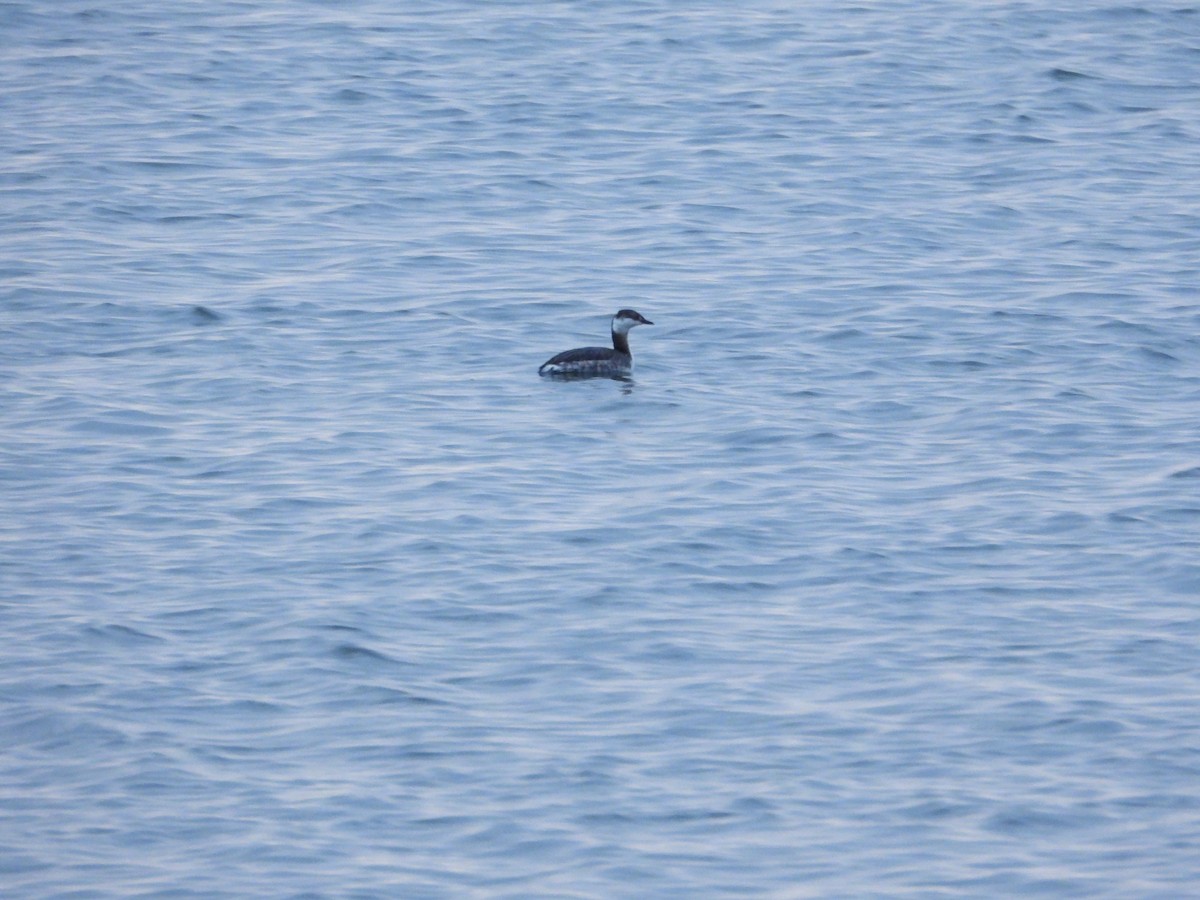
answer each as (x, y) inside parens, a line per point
(880, 578)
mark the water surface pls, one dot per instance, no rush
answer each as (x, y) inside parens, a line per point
(878, 579)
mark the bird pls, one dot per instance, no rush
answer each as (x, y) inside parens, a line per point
(590, 362)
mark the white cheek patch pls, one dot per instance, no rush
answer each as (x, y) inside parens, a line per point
(622, 326)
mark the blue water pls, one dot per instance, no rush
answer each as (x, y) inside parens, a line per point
(881, 578)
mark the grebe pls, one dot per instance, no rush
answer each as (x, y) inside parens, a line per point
(587, 362)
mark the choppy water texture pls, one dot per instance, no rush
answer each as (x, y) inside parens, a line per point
(881, 577)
